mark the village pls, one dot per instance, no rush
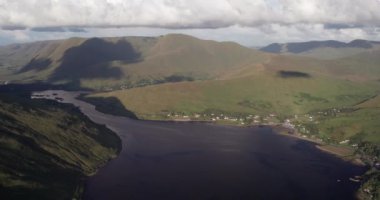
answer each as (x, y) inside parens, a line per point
(305, 125)
(302, 126)
(224, 118)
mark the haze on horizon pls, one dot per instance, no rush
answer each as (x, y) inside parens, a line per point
(250, 23)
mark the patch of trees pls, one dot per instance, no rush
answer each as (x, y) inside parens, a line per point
(371, 184)
(309, 97)
(256, 104)
(368, 148)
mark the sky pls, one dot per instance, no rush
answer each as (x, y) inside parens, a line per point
(251, 23)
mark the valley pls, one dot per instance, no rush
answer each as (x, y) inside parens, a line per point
(167, 160)
(330, 97)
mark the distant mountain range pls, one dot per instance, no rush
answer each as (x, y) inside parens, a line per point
(329, 49)
(126, 62)
(123, 61)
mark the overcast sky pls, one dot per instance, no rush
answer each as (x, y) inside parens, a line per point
(249, 22)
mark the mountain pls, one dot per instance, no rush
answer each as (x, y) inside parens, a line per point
(194, 75)
(286, 85)
(327, 90)
(323, 49)
(127, 62)
(123, 62)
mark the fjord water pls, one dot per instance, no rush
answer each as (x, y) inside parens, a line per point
(178, 160)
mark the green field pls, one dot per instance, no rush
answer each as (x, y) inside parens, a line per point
(261, 94)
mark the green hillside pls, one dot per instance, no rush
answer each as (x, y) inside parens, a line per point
(179, 75)
(261, 94)
(327, 90)
(127, 62)
(114, 63)
(48, 148)
(282, 85)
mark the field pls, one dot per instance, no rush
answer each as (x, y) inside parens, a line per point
(262, 94)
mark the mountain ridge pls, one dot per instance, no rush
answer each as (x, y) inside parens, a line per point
(122, 61)
(327, 49)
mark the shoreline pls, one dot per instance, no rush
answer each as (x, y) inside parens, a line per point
(277, 128)
(342, 152)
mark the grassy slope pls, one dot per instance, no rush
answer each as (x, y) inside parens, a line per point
(182, 55)
(47, 149)
(160, 57)
(14, 57)
(187, 55)
(257, 89)
(264, 93)
(360, 124)
(164, 56)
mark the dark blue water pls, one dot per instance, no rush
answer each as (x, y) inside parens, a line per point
(162, 160)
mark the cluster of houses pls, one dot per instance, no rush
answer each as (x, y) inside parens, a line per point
(237, 119)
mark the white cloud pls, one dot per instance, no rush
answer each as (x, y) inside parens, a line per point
(185, 13)
(248, 36)
(249, 22)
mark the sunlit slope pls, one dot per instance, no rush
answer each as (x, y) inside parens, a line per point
(373, 102)
(358, 68)
(180, 54)
(363, 66)
(124, 61)
(279, 84)
(264, 93)
(70, 60)
(33, 61)
(359, 123)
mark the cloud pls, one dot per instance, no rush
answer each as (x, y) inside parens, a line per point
(179, 14)
(248, 36)
(48, 29)
(249, 22)
(12, 28)
(58, 29)
(342, 26)
(76, 30)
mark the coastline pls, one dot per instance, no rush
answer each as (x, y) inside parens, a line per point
(344, 153)
(279, 129)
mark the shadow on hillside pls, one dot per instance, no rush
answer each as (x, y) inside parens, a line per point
(38, 64)
(293, 74)
(92, 60)
(109, 105)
